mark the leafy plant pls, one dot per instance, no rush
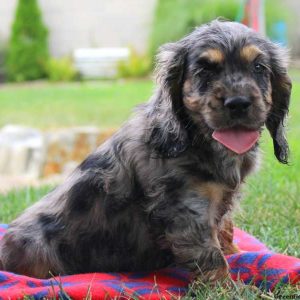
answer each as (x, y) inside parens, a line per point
(28, 48)
(61, 69)
(175, 18)
(3, 53)
(136, 66)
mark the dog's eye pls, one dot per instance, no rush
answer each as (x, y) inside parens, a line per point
(259, 68)
(208, 66)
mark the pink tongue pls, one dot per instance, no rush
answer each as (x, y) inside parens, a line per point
(237, 140)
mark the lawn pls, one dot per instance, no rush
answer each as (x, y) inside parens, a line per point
(44, 105)
(270, 209)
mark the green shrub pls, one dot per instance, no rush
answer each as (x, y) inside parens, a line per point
(28, 48)
(61, 69)
(175, 18)
(3, 53)
(136, 66)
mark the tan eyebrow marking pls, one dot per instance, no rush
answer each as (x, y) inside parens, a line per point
(213, 55)
(249, 53)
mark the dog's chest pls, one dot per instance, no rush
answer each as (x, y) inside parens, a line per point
(220, 197)
(229, 174)
(232, 170)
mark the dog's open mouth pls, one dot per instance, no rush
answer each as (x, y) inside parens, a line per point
(237, 139)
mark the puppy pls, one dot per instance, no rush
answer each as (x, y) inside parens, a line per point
(160, 191)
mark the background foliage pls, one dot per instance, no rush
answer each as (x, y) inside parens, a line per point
(175, 18)
(61, 69)
(28, 47)
(28, 57)
(136, 66)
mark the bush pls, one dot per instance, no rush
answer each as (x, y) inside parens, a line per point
(175, 18)
(28, 48)
(136, 66)
(61, 69)
(3, 52)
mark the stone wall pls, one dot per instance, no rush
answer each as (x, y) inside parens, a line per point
(91, 23)
(34, 154)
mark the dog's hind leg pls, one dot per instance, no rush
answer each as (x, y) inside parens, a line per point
(22, 255)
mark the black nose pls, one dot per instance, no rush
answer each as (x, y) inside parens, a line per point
(239, 104)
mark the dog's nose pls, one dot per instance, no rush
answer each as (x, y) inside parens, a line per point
(237, 105)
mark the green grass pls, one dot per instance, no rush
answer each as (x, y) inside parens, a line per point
(18, 200)
(44, 105)
(270, 208)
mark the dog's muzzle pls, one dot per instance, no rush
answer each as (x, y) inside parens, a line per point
(237, 106)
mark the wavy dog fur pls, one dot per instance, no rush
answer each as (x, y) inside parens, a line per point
(160, 191)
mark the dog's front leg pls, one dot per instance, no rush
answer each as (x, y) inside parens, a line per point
(191, 234)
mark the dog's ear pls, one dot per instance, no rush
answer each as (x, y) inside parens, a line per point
(170, 69)
(281, 91)
(168, 136)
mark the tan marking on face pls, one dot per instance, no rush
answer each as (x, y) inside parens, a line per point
(190, 99)
(213, 55)
(269, 95)
(250, 52)
(187, 87)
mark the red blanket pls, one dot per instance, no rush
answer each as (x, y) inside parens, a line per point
(255, 263)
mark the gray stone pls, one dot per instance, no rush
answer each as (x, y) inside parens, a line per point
(29, 153)
(21, 151)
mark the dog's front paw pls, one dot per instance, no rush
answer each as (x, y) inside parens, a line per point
(212, 267)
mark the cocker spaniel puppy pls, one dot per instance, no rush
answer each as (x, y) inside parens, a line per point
(160, 191)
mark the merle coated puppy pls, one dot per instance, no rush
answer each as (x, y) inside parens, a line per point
(160, 191)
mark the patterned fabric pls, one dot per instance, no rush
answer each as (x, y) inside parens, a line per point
(255, 264)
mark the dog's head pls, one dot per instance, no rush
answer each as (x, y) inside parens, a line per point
(223, 77)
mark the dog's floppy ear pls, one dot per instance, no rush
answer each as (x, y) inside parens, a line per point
(281, 91)
(168, 136)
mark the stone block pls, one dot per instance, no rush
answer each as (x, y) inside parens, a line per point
(65, 149)
(21, 151)
(27, 152)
